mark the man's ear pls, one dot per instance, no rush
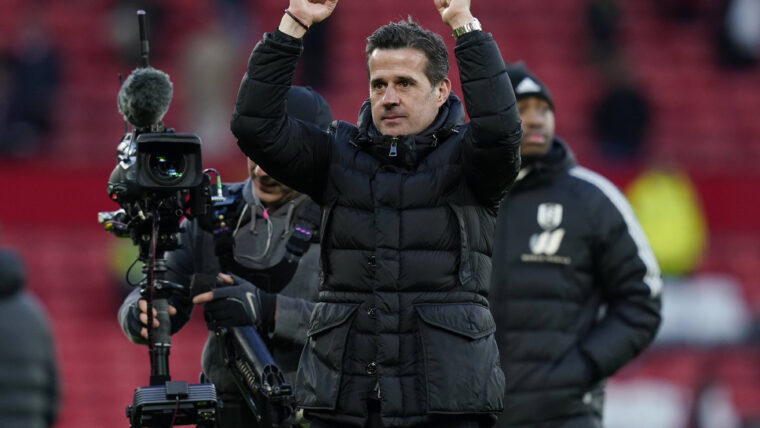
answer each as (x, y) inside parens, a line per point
(442, 90)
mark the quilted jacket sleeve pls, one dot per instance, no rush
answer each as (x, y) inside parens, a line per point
(292, 151)
(491, 152)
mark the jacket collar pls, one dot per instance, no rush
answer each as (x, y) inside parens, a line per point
(557, 160)
(406, 151)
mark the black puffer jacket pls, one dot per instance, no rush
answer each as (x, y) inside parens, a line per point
(406, 240)
(575, 290)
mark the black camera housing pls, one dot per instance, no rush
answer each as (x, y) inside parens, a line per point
(160, 162)
(168, 161)
(159, 173)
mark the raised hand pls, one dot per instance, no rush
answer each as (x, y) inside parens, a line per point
(454, 13)
(312, 11)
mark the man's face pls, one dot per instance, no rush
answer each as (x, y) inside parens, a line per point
(270, 192)
(403, 100)
(538, 126)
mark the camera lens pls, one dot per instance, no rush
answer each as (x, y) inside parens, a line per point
(167, 169)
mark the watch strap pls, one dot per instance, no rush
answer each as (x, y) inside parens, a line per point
(466, 28)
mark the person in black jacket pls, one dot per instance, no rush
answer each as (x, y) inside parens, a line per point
(30, 390)
(575, 289)
(402, 334)
(271, 240)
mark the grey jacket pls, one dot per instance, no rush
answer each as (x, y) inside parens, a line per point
(29, 381)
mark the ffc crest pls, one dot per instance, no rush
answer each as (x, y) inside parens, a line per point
(544, 245)
(549, 215)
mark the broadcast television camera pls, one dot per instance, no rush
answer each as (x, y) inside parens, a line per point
(157, 181)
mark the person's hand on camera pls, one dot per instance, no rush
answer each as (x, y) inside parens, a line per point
(138, 319)
(241, 304)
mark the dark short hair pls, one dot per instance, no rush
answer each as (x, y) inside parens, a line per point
(409, 34)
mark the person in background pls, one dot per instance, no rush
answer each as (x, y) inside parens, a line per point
(575, 289)
(34, 82)
(622, 117)
(29, 376)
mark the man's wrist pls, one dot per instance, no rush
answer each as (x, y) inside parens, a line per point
(460, 20)
(291, 27)
(472, 25)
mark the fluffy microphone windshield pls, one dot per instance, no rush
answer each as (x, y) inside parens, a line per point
(145, 96)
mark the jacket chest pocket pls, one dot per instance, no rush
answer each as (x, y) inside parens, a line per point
(319, 370)
(460, 358)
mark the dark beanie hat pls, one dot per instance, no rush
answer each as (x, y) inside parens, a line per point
(526, 84)
(306, 104)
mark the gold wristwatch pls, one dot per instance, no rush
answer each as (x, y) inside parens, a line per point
(466, 28)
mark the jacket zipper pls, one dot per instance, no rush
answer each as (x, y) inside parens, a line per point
(393, 153)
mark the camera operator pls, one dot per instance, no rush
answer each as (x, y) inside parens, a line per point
(265, 225)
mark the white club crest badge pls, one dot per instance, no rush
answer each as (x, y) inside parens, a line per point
(549, 215)
(545, 245)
